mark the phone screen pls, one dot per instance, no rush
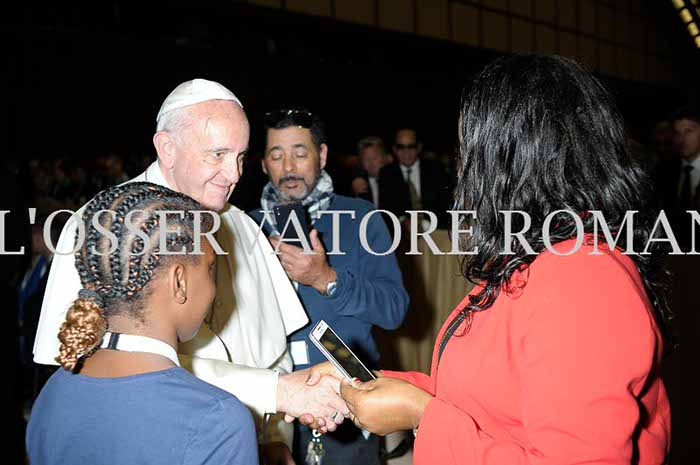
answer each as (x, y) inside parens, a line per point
(344, 357)
(282, 213)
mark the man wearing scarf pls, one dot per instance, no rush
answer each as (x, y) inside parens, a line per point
(349, 287)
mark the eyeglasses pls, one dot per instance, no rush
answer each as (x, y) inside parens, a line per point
(302, 118)
(406, 146)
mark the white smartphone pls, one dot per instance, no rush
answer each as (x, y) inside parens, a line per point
(338, 353)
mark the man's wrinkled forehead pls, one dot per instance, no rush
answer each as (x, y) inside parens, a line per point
(218, 118)
(219, 110)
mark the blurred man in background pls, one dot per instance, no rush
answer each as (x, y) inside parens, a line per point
(373, 157)
(411, 182)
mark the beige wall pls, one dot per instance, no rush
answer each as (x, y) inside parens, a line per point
(614, 37)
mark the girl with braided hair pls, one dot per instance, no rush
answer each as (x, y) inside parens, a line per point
(121, 396)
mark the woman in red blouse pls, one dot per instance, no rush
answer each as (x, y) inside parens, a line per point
(554, 357)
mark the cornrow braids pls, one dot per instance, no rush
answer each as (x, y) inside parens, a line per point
(116, 282)
(137, 255)
(129, 202)
(101, 202)
(173, 243)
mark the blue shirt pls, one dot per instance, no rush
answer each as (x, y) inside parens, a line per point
(163, 417)
(370, 287)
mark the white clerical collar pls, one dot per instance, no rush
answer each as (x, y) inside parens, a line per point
(155, 175)
(133, 343)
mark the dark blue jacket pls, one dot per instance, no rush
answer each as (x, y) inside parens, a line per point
(370, 288)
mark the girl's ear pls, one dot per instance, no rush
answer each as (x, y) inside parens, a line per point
(178, 283)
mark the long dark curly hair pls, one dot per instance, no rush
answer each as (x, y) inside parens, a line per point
(540, 134)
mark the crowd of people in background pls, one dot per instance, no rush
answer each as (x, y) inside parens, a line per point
(67, 183)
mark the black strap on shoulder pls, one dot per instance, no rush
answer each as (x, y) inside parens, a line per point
(450, 331)
(113, 340)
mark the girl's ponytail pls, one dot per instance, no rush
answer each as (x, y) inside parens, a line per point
(83, 329)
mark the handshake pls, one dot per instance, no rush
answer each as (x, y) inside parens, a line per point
(321, 398)
(313, 397)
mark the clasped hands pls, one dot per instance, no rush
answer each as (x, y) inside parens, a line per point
(380, 406)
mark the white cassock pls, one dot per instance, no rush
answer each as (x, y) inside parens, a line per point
(242, 345)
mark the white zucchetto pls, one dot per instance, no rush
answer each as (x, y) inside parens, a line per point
(195, 91)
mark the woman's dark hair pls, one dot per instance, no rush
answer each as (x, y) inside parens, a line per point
(540, 134)
(116, 281)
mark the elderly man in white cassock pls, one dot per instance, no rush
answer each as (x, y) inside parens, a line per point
(201, 137)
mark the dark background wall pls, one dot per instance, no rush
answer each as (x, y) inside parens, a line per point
(84, 80)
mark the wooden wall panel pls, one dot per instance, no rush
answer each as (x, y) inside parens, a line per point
(433, 18)
(566, 14)
(588, 53)
(521, 8)
(465, 24)
(545, 40)
(545, 11)
(396, 15)
(522, 36)
(356, 11)
(311, 7)
(614, 37)
(568, 45)
(267, 3)
(495, 31)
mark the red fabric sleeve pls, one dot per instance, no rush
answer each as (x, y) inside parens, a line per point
(416, 378)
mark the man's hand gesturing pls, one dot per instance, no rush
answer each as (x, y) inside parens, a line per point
(310, 269)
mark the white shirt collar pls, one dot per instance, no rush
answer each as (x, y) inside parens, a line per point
(155, 175)
(695, 163)
(415, 165)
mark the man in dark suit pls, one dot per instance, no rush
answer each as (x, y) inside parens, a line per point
(413, 183)
(678, 179)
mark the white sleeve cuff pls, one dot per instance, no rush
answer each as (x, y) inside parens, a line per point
(255, 387)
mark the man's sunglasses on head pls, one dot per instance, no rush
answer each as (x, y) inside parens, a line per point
(303, 118)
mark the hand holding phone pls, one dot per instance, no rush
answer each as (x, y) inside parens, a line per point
(338, 353)
(287, 228)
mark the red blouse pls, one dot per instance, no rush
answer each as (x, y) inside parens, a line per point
(562, 369)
